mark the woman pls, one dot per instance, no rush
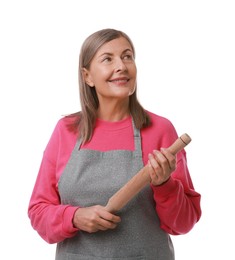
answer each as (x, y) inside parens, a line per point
(93, 153)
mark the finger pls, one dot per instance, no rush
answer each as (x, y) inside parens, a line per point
(160, 158)
(105, 224)
(109, 216)
(170, 158)
(156, 172)
(154, 163)
(153, 176)
(166, 160)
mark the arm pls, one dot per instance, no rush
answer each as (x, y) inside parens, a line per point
(177, 203)
(49, 218)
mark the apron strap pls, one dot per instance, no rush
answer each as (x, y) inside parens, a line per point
(137, 140)
(78, 144)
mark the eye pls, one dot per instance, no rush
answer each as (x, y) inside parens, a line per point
(128, 57)
(106, 59)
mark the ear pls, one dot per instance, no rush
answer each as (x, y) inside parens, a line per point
(87, 77)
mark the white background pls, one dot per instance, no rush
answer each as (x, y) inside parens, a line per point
(186, 72)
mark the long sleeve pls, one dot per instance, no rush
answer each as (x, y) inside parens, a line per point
(51, 219)
(177, 203)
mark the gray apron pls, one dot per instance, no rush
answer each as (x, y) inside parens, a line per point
(91, 177)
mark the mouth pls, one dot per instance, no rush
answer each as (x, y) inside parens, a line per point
(121, 80)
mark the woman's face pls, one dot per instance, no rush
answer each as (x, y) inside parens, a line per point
(112, 70)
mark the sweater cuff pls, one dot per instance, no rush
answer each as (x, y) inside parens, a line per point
(165, 189)
(68, 220)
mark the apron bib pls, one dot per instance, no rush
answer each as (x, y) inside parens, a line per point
(90, 178)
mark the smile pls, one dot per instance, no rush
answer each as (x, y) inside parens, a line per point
(119, 80)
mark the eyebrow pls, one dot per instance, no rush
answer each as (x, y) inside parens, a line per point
(111, 54)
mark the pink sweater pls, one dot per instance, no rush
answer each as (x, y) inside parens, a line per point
(177, 203)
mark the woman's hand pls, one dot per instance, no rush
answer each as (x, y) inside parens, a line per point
(95, 218)
(163, 164)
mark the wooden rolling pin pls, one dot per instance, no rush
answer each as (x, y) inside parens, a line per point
(141, 179)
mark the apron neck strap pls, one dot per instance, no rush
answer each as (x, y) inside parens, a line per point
(137, 140)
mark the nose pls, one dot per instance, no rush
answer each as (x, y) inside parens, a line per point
(120, 65)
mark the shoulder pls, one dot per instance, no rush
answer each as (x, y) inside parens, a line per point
(159, 121)
(61, 136)
(67, 120)
(67, 125)
(161, 130)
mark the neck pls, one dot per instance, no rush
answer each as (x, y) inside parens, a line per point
(113, 111)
